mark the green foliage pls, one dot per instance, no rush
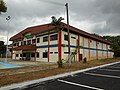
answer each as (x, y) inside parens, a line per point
(3, 8)
(115, 44)
(56, 22)
(2, 49)
(85, 60)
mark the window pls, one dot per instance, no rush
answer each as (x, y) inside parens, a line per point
(73, 37)
(21, 43)
(66, 52)
(38, 40)
(51, 52)
(24, 54)
(17, 55)
(45, 39)
(32, 54)
(28, 42)
(90, 41)
(37, 54)
(18, 44)
(53, 37)
(24, 42)
(34, 40)
(55, 52)
(14, 44)
(66, 37)
(45, 54)
(20, 55)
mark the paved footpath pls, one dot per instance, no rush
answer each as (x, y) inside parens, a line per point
(105, 77)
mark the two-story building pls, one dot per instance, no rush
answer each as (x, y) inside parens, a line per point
(50, 44)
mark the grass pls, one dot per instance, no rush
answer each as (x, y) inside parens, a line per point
(36, 72)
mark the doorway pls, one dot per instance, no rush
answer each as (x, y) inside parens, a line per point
(28, 56)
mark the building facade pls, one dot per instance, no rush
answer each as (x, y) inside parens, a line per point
(48, 43)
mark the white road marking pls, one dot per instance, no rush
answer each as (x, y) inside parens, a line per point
(102, 75)
(80, 85)
(114, 67)
(110, 70)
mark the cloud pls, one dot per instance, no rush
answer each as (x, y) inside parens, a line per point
(94, 16)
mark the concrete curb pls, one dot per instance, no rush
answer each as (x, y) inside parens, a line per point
(27, 83)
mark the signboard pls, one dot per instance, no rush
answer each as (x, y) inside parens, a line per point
(28, 35)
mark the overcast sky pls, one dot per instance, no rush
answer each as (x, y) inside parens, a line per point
(94, 16)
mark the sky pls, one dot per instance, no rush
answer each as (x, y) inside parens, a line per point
(94, 16)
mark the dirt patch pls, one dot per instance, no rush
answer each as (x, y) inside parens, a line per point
(35, 72)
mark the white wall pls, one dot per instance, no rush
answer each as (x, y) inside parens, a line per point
(54, 55)
(93, 46)
(85, 42)
(73, 42)
(99, 45)
(86, 51)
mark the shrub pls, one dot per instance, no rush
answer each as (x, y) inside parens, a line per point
(60, 63)
(84, 60)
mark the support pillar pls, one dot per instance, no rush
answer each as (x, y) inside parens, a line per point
(48, 46)
(78, 48)
(59, 46)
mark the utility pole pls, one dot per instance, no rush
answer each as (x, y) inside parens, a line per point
(8, 18)
(68, 33)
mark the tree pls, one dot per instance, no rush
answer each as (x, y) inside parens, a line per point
(3, 7)
(115, 44)
(2, 49)
(56, 22)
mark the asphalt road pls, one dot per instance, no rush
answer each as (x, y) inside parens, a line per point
(106, 78)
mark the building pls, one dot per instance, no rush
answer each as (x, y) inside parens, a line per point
(49, 44)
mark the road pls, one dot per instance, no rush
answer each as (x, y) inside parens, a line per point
(105, 78)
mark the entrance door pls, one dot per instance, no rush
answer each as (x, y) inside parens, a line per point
(80, 57)
(28, 57)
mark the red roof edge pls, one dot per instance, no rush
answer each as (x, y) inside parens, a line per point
(46, 27)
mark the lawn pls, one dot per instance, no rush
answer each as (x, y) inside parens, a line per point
(11, 76)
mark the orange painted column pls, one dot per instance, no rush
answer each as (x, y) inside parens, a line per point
(59, 45)
(89, 48)
(78, 48)
(83, 47)
(48, 46)
(96, 49)
(12, 50)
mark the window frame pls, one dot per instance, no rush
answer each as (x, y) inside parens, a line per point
(17, 55)
(65, 37)
(45, 38)
(28, 42)
(38, 40)
(45, 56)
(54, 37)
(37, 54)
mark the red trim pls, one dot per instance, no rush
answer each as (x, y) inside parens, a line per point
(79, 48)
(12, 51)
(25, 47)
(59, 45)
(96, 49)
(49, 47)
